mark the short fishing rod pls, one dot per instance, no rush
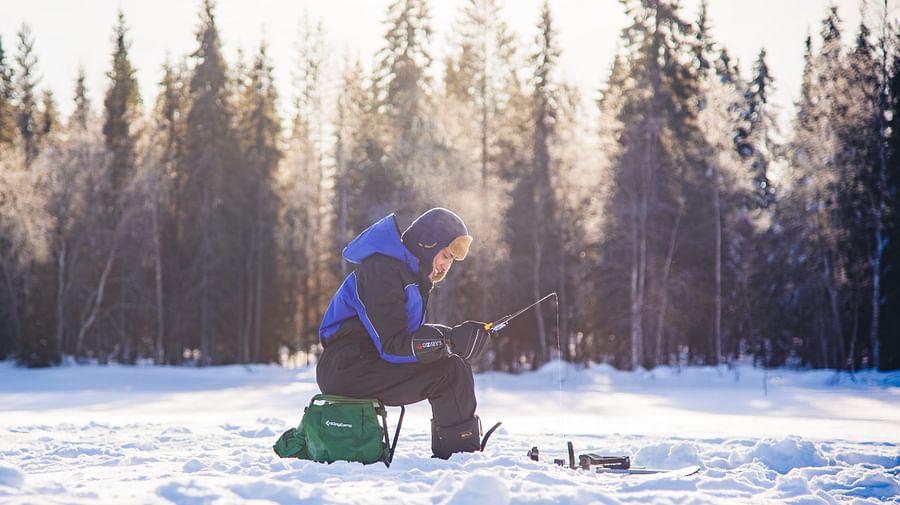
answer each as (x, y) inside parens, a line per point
(498, 325)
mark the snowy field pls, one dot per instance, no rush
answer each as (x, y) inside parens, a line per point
(156, 435)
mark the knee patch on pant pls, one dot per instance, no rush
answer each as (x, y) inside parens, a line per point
(463, 437)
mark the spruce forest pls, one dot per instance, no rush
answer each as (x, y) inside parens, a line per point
(678, 221)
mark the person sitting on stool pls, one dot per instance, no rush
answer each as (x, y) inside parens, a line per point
(376, 344)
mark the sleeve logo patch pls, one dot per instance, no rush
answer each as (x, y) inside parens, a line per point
(427, 344)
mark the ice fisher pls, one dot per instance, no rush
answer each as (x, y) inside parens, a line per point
(376, 342)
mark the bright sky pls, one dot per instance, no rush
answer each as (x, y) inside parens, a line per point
(69, 33)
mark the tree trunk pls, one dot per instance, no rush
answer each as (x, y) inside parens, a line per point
(636, 305)
(748, 308)
(204, 281)
(880, 241)
(541, 357)
(717, 216)
(638, 335)
(125, 345)
(482, 270)
(343, 228)
(663, 305)
(160, 314)
(61, 295)
(851, 358)
(257, 307)
(880, 244)
(101, 287)
(246, 281)
(562, 304)
(14, 308)
(318, 230)
(836, 324)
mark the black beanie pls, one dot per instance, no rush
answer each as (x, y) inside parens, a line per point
(433, 231)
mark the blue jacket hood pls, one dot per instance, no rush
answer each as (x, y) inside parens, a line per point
(382, 237)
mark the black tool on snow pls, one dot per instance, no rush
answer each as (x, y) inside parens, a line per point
(611, 464)
(586, 461)
(498, 325)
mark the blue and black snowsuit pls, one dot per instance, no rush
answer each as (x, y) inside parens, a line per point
(372, 323)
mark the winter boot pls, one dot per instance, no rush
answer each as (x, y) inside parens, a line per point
(463, 437)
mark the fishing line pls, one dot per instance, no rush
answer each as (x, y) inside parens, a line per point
(559, 357)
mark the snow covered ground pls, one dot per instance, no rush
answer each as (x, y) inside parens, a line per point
(161, 435)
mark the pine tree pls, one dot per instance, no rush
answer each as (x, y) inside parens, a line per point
(761, 130)
(370, 178)
(889, 348)
(49, 119)
(883, 205)
(713, 108)
(260, 131)
(654, 175)
(831, 85)
(813, 214)
(478, 78)
(306, 193)
(703, 46)
(75, 164)
(346, 108)
(82, 113)
(793, 285)
(26, 101)
(120, 107)
(544, 215)
(7, 106)
(404, 97)
(120, 111)
(862, 189)
(209, 196)
(169, 113)
(35, 118)
(27, 322)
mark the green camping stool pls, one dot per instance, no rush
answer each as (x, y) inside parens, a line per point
(340, 428)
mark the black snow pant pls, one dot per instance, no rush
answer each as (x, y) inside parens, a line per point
(351, 366)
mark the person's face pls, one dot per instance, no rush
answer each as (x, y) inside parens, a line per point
(441, 265)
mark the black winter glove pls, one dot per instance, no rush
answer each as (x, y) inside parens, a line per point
(469, 339)
(429, 342)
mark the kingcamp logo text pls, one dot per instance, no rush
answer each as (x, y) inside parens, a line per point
(337, 425)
